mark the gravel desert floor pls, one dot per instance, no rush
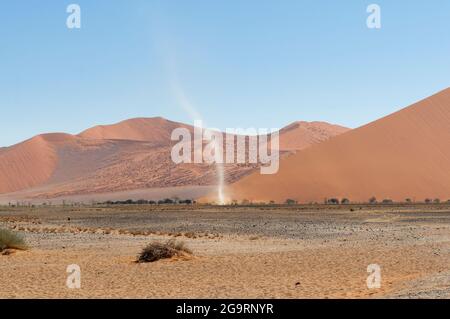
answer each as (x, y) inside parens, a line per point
(238, 252)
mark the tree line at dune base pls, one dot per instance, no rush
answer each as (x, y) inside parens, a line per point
(244, 202)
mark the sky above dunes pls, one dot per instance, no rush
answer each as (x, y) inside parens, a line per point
(233, 63)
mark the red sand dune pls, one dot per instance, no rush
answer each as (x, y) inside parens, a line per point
(404, 155)
(26, 164)
(157, 130)
(133, 154)
(300, 135)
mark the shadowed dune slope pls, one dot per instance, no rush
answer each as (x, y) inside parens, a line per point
(404, 155)
(27, 164)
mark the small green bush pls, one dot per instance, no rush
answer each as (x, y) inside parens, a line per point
(158, 250)
(11, 240)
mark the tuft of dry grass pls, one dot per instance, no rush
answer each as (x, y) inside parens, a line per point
(11, 240)
(162, 250)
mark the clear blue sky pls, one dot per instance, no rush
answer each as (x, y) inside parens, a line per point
(252, 63)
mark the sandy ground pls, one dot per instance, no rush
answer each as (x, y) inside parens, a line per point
(254, 252)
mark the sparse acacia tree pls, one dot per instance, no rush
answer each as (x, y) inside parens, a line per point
(290, 201)
(333, 201)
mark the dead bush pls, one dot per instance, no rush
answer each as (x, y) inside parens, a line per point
(162, 250)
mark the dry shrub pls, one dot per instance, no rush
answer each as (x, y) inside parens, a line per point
(191, 235)
(162, 250)
(11, 240)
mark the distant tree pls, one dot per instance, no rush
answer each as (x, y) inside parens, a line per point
(333, 201)
(408, 200)
(373, 200)
(272, 202)
(387, 201)
(245, 202)
(290, 201)
(437, 201)
(428, 201)
(345, 201)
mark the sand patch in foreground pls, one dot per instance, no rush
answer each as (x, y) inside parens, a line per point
(305, 273)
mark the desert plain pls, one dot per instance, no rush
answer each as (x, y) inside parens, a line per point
(254, 251)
